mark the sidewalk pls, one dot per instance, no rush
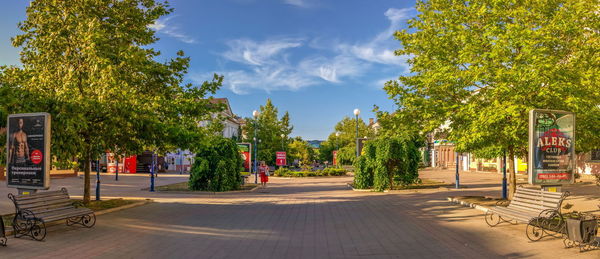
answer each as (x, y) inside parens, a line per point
(584, 194)
(129, 186)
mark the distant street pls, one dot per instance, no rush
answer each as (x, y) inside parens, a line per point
(296, 218)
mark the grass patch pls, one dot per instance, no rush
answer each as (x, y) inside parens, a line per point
(108, 204)
(424, 184)
(183, 187)
(480, 200)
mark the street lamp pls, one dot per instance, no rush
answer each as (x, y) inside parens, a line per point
(282, 139)
(356, 113)
(337, 140)
(255, 113)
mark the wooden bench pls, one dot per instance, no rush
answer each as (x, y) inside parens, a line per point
(540, 210)
(32, 212)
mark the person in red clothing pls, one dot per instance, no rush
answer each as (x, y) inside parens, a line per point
(263, 171)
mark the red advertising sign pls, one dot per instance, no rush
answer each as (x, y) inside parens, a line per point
(244, 149)
(280, 158)
(335, 157)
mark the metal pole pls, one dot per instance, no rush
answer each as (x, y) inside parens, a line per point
(97, 180)
(152, 174)
(504, 183)
(255, 152)
(457, 175)
(117, 169)
(357, 154)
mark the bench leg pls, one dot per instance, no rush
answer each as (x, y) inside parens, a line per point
(87, 221)
(30, 227)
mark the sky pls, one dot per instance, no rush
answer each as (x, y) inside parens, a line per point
(316, 59)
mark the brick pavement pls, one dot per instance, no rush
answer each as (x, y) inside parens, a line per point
(296, 218)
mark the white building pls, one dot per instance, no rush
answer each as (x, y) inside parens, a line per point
(182, 160)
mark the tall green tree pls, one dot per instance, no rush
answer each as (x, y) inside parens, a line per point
(270, 128)
(480, 66)
(347, 137)
(89, 64)
(301, 150)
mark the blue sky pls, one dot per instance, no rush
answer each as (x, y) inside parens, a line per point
(316, 59)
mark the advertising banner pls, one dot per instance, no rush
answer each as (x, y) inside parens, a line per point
(245, 151)
(551, 147)
(335, 152)
(280, 158)
(28, 151)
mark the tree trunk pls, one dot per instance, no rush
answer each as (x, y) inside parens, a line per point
(86, 178)
(510, 164)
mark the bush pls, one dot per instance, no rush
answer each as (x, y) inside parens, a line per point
(284, 172)
(387, 162)
(334, 171)
(216, 167)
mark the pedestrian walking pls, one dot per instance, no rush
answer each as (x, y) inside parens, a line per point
(263, 170)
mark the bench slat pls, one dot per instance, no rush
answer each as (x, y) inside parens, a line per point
(539, 199)
(536, 206)
(46, 204)
(47, 210)
(74, 213)
(40, 199)
(542, 193)
(37, 195)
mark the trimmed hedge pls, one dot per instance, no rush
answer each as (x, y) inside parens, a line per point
(387, 162)
(284, 172)
(216, 167)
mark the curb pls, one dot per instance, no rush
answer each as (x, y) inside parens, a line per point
(363, 190)
(9, 230)
(128, 206)
(468, 204)
(205, 192)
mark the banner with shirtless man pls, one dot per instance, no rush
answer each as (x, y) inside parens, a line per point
(28, 144)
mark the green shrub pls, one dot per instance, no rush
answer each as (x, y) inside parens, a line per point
(330, 171)
(216, 167)
(387, 162)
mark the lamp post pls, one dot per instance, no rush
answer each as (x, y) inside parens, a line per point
(97, 180)
(255, 114)
(356, 113)
(504, 185)
(337, 140)
(282, 139)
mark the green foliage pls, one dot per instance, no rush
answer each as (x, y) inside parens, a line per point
(347, 155)
(216, 167)
(301, 150)
(482, 65)
(386, 162)
(363, 173)
(270, 129)
(284, 172)
(90, 65)
(346, 139)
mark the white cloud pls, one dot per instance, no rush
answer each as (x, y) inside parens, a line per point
(334, 69)
(265, 65)
(380, 49)
(258, 53)
(163, 26)
(299, 3)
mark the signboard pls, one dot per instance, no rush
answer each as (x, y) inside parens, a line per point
(245, 152)
(335, 152)
(551, 147)
(280, 158)
(28, 151)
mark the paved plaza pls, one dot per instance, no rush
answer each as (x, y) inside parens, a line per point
(293, 218)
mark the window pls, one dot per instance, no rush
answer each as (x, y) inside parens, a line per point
(596, 155)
